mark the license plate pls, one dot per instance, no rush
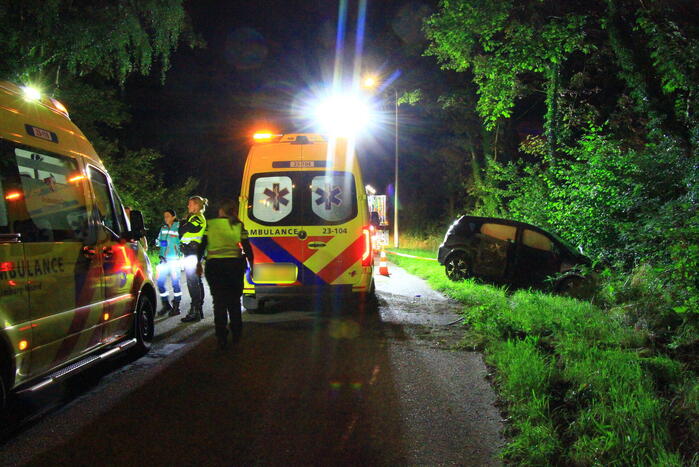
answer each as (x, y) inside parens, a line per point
(277, 273)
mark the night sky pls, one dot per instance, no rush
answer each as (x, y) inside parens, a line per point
(263, 61)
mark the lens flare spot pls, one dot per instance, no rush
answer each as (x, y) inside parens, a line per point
(343, 329)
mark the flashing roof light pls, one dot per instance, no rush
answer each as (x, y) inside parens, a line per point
(343, 115)
(31, 93)
(262, 136)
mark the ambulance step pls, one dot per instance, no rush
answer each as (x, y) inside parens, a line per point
(78, 366)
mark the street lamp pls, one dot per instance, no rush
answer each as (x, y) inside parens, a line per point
(371, 82)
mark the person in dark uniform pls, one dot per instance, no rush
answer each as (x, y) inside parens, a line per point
(225, 268)
(191, 233)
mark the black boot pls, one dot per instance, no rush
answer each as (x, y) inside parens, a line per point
(166, 307)
(175, 310)
(193, 316)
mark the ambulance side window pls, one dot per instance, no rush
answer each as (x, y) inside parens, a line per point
(44, 197)
(106, 214)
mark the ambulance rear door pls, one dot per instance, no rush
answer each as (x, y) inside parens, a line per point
(274, 230)
(330, 214)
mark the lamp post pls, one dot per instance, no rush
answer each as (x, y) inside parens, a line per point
(371, 82)
(395, 185)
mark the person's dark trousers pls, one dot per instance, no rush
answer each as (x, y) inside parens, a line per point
(225, 278)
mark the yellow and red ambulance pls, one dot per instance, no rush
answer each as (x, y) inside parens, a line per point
(75, 284)
(303, 203)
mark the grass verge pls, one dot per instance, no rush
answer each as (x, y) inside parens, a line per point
(581, 387)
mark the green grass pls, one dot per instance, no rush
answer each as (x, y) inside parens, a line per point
(581, 386)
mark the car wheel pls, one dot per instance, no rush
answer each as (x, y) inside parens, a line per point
(457, 267)
(144, 328)
(570, 286)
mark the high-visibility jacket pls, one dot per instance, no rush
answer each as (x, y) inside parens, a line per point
(192, 230)
(169, 241)
(223, 238)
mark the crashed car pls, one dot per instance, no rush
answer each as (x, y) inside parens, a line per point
(510, 252)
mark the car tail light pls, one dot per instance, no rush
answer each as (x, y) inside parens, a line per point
(367, 256)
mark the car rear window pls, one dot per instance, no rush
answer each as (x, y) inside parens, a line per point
(303, 198)
(536, 240)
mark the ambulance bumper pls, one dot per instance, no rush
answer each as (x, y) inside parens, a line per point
(302, 291)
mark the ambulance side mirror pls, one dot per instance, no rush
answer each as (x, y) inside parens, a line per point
(138, 227)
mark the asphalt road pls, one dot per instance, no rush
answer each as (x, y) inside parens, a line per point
(330, 387)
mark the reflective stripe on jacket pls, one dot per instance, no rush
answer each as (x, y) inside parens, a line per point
(222, 238)
(193, 229)
(169, 240)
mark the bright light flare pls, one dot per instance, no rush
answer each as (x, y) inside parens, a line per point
(15, 195)
(262, 136)
(343, 115)
(31, 93)
(370, 82)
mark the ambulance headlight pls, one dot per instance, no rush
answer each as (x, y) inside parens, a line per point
(343, 115)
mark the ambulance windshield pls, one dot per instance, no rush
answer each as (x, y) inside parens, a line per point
(303, 198)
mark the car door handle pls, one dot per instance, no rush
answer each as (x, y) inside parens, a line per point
(107, 252)
(89, 251)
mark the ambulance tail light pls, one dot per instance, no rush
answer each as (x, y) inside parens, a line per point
(367, 256)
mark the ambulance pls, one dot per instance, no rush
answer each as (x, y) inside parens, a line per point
(303, 203)
(75, 284)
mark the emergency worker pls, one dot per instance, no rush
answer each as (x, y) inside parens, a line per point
(169, 243)
(225, 268)
(191, 236)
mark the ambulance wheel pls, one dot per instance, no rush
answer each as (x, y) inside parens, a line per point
(456, 266)
(3, 392)
(253, 305)
(144, 328)
(5, 373)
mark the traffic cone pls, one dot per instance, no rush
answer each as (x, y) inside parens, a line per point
(383, 265)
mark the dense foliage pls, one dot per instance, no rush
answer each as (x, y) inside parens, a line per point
(616, 168)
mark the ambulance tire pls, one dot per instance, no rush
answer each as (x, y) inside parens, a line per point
(253, 305)
(369, 301)
(3, 391)
(144, 327)
(5, 374)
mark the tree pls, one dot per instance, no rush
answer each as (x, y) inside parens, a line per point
(45, 39)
